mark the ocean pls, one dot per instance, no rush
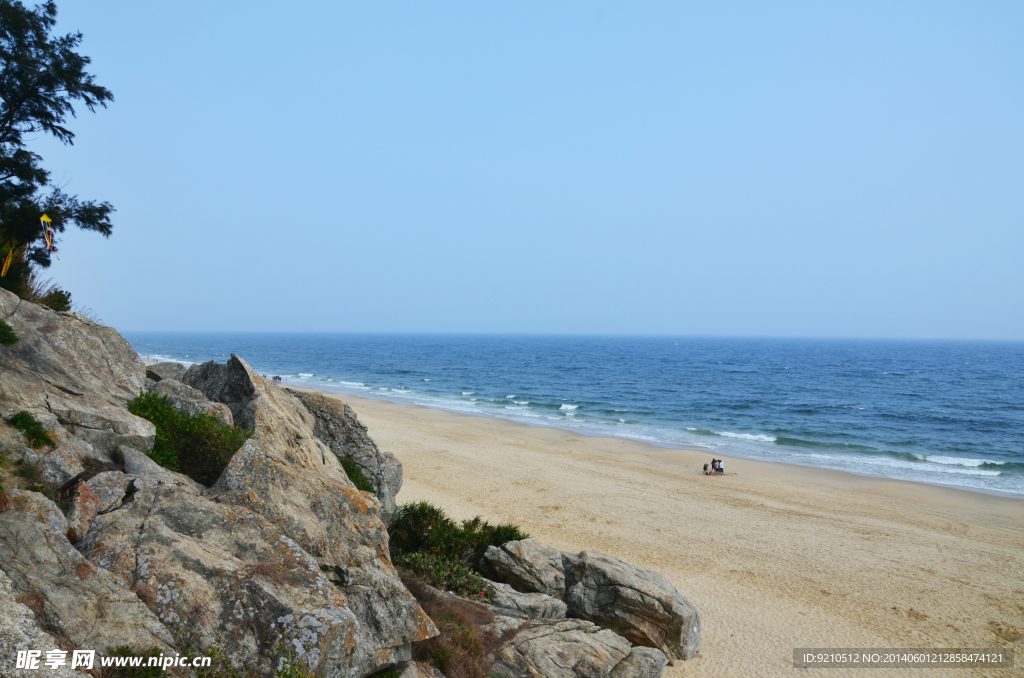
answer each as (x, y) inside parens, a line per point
(947, 413)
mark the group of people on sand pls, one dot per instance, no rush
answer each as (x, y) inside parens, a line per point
(716, 468)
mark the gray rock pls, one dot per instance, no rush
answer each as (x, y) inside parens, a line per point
(533, 605)
(414, 670)
(159, 371)
(138, 464)
(191, 400)
(111, 488)
(572, 648)
(640, 604)
(528, 567)
(82, 605)
(81, 372)
(19, 632)
(287, 475)
(641, 662)
(338, 427)
(221, 575)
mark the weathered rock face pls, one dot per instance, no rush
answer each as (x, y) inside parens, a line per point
(160, 371)
(188, 399)
(18, 631)
(528, 567)
(638, 603)
(80, 371)
(572, 648)
(222, 576)
(338, 427)
(80, 604)
(532, 605)
(287, 475)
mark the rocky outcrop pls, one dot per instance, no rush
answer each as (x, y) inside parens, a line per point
(158, 371)
(81, 372)
(222, 576)
(187, 399)
(532, 605)
(527, 566)
(640, 604)
(288, 476)
(574, 648)
(19, 633)
(72, 600)
(338, 427)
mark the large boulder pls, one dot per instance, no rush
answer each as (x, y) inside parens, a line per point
(81, 372)
(532, 605)
(640, 604)
(158, 371)
(287, 475)
(190, 400)
(574, 648)
(80, 604)
(338, 427)
(222, 576)
(527, 566)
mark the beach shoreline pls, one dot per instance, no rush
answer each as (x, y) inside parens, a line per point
(774, 556)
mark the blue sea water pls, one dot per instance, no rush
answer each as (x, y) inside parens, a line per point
(949, 413)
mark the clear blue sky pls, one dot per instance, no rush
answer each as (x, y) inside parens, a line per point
(775, 169)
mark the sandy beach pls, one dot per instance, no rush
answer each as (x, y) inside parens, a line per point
(773, 556)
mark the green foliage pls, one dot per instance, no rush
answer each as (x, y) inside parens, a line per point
(7, 335)
(355, 474)
(33, 430)
(445, 574)
(42, 77)
(58, 300)
(424, 528)
(198, 445)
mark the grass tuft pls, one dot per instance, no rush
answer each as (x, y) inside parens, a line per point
(7, 335)
(36, 435)
(198, 445)
(355, 474)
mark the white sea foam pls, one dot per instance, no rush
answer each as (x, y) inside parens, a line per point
(568, 407)
(469, 393)
(356, 384)
(744, 436)
(910, 465)
(521, 402)
(305, 374)
(510, 397)
(425, 379)
(956, 461)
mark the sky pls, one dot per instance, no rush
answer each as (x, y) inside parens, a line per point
(839, 169)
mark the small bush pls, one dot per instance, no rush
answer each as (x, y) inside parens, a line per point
(5, 499)
(7, 335)
(33, 430)
(198, 445)
(57, 300)
(445, 574)
(355, 474)
(424, 528)
(461, 647)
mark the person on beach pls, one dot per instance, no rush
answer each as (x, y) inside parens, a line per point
(706, 472)
(721, 467)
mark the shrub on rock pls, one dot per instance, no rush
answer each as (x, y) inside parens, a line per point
(197, 445)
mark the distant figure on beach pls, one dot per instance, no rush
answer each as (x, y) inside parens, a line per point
(706, 470)
(721, 467)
